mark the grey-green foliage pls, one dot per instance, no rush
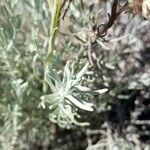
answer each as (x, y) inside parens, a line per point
(19, 91)
(114, 144)
(64, 100)
(24, 37)
(22, 24)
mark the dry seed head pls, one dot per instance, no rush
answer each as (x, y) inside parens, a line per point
(141, 7)
(146, 9)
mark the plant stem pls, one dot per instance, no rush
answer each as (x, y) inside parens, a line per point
(55, 7)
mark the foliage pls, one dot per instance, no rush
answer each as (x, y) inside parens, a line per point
(63, 95)
(57, 73)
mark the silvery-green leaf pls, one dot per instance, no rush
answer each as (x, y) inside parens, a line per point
(54, 109)
(132, 85)
(83, 88)
(145, 80)
(110, 66)
(72, 68)
(87, 104)
(68, 88)
(68, 110)
(52, 86)
(88, 90)
(42, 104)
(81, 123)
(20, 87)
(66, 76)
(23, 87)
(101, 91)
(82, 71)
(51, 99)
(79, 104)
(53, 75)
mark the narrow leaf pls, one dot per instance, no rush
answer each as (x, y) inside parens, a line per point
(79, 104)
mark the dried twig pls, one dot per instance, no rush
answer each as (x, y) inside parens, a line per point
(65, 12)
(103, 28)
